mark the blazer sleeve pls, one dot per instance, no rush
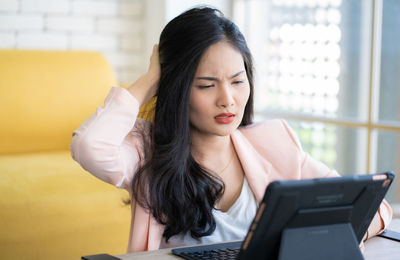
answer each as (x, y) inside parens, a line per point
(105, 144)
(311, 168)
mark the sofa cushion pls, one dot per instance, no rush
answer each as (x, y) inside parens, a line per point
(45, 95)
(52, 209)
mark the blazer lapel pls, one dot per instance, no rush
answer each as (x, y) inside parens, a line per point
(255, 167)
(148, 233)
(155, 234)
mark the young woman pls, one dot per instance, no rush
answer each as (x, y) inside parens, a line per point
(197, 174)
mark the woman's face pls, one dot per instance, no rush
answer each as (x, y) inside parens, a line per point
(219, 92)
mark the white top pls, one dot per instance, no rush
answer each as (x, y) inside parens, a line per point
(230, 225)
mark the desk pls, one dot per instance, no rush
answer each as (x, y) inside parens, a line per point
(375, 248)
(382, 248)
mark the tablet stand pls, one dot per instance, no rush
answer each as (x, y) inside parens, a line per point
(336, 241)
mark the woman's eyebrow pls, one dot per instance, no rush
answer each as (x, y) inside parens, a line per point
(237, 74)
(216, 79)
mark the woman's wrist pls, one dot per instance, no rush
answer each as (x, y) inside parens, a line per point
(144, 88)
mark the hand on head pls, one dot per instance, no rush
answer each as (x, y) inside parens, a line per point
(146, 86)
(154, 68)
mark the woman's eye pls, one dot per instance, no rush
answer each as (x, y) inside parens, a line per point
(205, 86)
(238, 82)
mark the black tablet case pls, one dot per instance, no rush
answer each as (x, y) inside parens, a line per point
(315, 219)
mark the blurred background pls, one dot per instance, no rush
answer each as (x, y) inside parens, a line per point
(330, 67)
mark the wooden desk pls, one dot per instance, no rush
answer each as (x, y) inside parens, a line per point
(375, 248)
(382, 248)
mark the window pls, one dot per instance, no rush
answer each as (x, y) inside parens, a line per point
(331, 68)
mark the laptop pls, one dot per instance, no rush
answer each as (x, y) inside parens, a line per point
(306, 219)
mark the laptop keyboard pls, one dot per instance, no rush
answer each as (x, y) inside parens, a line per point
(214, 251)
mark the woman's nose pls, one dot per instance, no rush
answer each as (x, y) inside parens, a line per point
(225, 96)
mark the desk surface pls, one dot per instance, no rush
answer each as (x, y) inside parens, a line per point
(375, 248)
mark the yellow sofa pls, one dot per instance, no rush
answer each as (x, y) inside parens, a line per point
(50, 208)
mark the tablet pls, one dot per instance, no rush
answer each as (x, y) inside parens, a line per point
(325, 217)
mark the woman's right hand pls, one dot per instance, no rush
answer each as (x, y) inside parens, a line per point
(154, 67)
(146, 86)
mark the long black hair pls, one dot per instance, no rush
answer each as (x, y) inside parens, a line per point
(177, 190)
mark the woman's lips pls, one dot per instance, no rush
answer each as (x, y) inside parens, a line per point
(225, 118)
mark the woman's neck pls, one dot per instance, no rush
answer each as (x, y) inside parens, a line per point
(212, 151)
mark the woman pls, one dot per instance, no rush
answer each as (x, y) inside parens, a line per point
(197, 174)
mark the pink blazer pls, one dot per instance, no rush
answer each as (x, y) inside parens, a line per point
(106, 146)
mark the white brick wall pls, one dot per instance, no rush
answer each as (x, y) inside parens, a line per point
(44, 6)
(8, 40)
(74, 24)
(21, 22)
(124, 31)
(116, 28)
(95, 42)
(42, 40)
(131, 8)
(102, 7)
(7, 5)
